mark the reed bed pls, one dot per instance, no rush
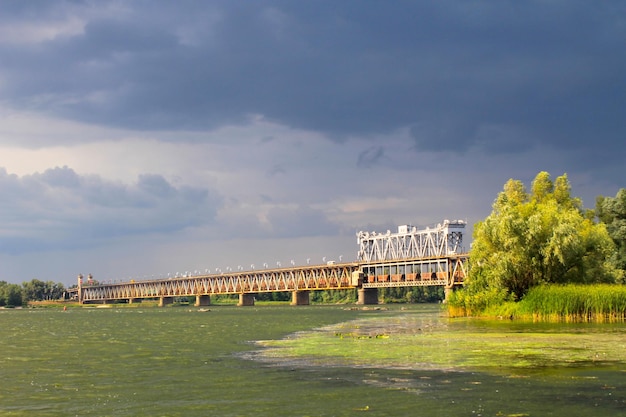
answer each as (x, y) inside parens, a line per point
(575, 303)
(465, 304)
(554, 303)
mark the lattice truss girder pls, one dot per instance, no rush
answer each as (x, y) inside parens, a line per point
(326, 277)
(443, 240)
(448, 271)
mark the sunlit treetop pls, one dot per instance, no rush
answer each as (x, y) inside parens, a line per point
(539, 237)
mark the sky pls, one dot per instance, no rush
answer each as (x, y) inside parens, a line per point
(145, 138)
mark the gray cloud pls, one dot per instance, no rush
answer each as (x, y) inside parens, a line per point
(447, 69)
(60, 209)
(276, 169)
(59, 177)
(300, 221)
(370, 156)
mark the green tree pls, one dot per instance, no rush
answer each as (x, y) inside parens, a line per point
(536, 238)
(427, 294)
(37, 290)
(33, 290)
(612, 212)
(13, 295)
(3, 300)
(54, 290)
(10, 294)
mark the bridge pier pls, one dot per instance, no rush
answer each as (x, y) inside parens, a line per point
(203, 300)
(367, 296)
(246, 300)
(300, 298)
(134, 300)
(163, 301)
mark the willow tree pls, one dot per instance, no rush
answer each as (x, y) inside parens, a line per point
(539, 237)
(612, 212)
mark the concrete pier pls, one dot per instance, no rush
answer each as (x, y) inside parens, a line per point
(134, 300)
(246, 300)
(300, 298)
(368, 296)
(164, 301)
(203, 300)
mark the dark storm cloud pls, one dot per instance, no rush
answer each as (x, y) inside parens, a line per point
(59, 209)
(450, 71)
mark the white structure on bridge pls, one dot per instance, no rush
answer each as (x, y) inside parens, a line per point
(444, 240)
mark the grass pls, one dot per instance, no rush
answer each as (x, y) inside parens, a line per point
(464, 303)
(601, 302)
(52, 304)
(569, 303)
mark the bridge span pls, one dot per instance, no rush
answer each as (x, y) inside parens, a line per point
(410, 257)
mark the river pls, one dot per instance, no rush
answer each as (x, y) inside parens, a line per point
(304, 361)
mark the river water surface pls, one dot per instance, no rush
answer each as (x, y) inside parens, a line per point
(304, 361)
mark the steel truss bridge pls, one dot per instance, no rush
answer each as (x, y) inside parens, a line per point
(410, 257)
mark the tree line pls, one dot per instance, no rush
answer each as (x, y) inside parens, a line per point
(14, 295)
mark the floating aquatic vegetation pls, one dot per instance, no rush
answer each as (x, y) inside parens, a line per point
(411, 342)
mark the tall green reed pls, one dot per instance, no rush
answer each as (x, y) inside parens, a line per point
(575, 302)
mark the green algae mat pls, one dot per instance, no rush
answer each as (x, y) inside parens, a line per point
(414, 340)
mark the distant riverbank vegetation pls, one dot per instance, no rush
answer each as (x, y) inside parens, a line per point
(349, 296)
(540, 255)
(15, 295)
